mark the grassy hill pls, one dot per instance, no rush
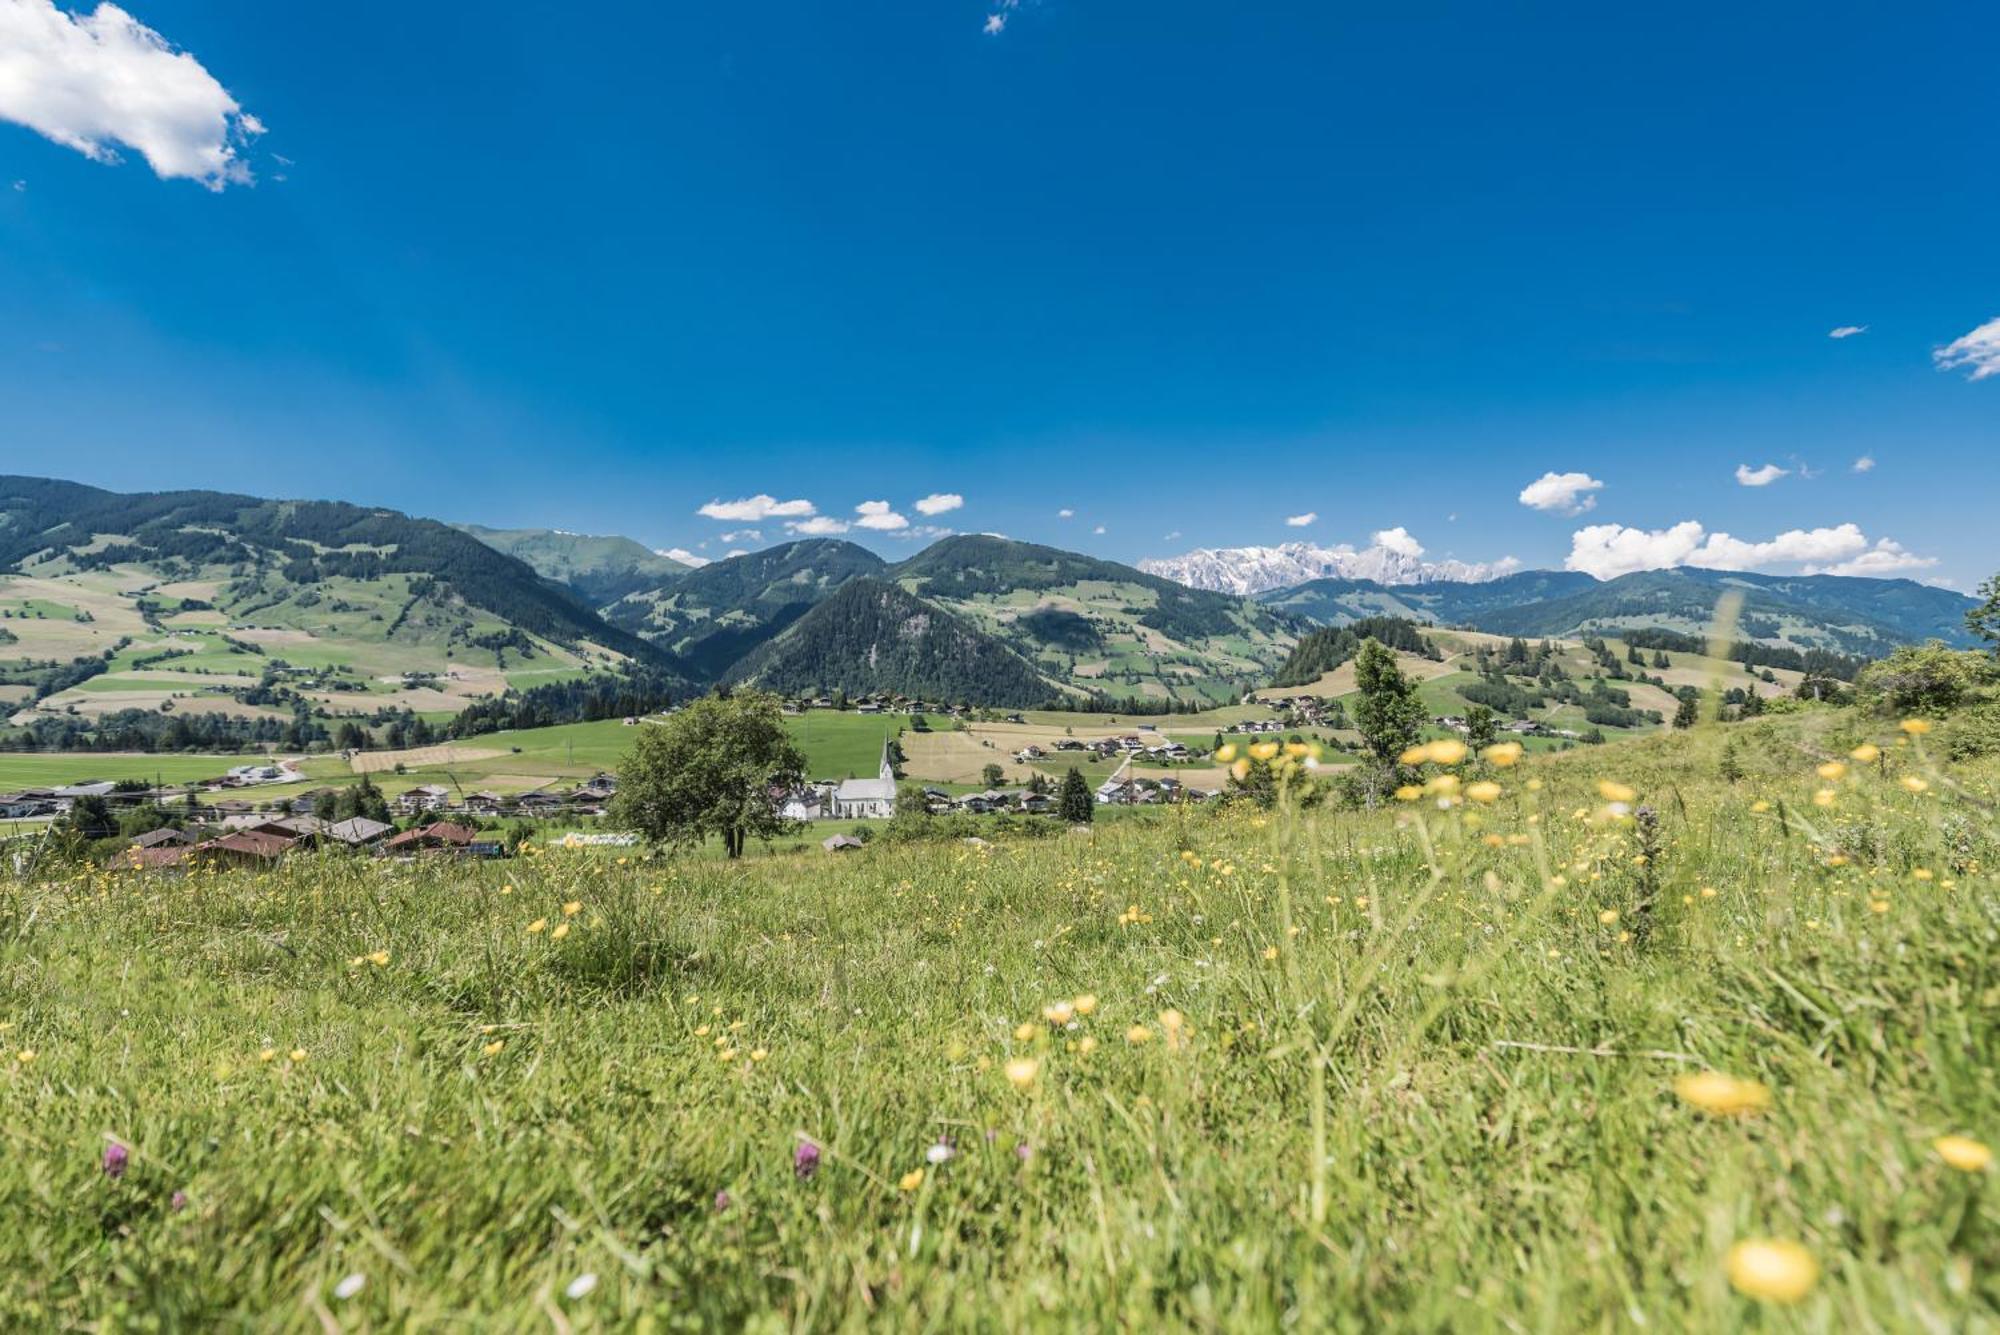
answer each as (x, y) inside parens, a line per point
(713, 617)
(192, 601)
(1102, 626)
(1201, 1069)
(1840, 613)
(871, 635)
(600, 569)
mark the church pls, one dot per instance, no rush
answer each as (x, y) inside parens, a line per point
(866, 799)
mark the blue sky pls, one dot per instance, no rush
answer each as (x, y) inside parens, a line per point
(1180, 269)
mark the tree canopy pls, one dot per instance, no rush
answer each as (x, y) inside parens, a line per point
(711, 769)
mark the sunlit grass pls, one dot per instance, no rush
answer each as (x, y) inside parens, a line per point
(1419, 1067)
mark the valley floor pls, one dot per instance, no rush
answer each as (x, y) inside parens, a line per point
(1412, 1069)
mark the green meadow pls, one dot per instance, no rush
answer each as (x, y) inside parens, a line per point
(1416, 1068)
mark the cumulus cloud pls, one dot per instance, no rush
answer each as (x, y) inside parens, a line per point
(1610, 550)
(1978, 352)
(1886, 557)
(996, 22)
(1399, 541)
(1847, 331)
(1301, 521)
(819, 526)
(683, 555)
(756, 509)
(1865, 464)
(940, 502)
(92, 81)
(1065, 514)
(1099, 530)
(1562, 493)
(1759, 477)
(744, 535)
(879, 516)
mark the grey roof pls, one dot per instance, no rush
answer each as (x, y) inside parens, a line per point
(865, 790)
(358, 830)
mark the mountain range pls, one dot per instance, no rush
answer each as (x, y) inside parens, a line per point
(190, 599)
(1396, 558)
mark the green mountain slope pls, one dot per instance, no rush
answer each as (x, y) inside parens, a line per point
(871, 635)
(1101, 626)
(600, 569)
(712, 617)
(205, 603)
(1842, 613)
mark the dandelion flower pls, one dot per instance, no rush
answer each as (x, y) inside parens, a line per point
(1771, 1270)
(1609, 917)
(1722, 1095)
(1485, 791)
(267, 1054)
(1240, 771)
(297, 1054)
(1026, 1031)
(1138, 1034)
(1225, 753)
(561, 931)
(1409, 792)
(1085, 1004)
(1263, 751)
(379, 958)
(1915, 784)
(493, 1049)
(1832, 771)
(1612, 791)
(1916, 727)
(1086, 1045)
(1416, 755)
(1865, 754)
(911, 1180)
(759, 1054)
(571, 909)
(1502, 754)
(1021, 1071)
(537, 925)
(1445, 751)
(1961, 1152)
(1059, 1012)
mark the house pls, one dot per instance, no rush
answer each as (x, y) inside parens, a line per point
(539, 804)
(1028, 753)
(867, 799)
(163, 858)
(444, 836)
(486, 803)
(425, 797)
(167, 838)
(1037, 804)
(244, 848)
(23, 805)
(359, 831)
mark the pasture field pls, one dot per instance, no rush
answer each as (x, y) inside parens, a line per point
(30, 769)
(1414, 1068)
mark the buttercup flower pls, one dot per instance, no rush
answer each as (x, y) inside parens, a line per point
(1772, 1270)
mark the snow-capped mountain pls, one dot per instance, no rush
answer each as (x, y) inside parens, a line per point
(1250, 570)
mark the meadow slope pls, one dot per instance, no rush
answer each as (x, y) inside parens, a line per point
(1412, 1068)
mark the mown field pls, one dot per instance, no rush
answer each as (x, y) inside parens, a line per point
(1412, 1068)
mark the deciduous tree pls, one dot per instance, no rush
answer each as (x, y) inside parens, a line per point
(710, 769)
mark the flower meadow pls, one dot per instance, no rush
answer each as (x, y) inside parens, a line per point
(1576, 1042)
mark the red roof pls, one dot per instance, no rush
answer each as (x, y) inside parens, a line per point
(442, 833)
(252, 843)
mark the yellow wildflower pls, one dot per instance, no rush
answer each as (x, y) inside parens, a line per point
(1916, 727)
(1612, 791)
(1771, 1270)
(1085, 1004)
(1963, 1153)
(537, 925)
(493, 1049)
(1722, 1095)
(911, 1180)
(1021, 1071)
(1445, 751)
(1484, 791)
(1502, 754)
(1865, 754)
(1138, 1033)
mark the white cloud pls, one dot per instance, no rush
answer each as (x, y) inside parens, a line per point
(683, 555)
(1302, 521)
(1759, 477)
(819, 526)
(91, 81)
(1399, 541)
(744, 535)
(1865, 464)
(1099, 530)
(1979, 351)
(1065, 514)
(756, 509)
(1564, 493)
(1847, 331)
(995, 25)
(1887, 557)
(940, 502)
(1610, 550)
(878, 516)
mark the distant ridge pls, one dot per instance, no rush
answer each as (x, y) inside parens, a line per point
(1245, 571)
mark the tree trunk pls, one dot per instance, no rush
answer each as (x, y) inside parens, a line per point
(733, 841)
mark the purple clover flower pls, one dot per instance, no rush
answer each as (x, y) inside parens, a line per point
(805, 1160)
(116, 1156)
